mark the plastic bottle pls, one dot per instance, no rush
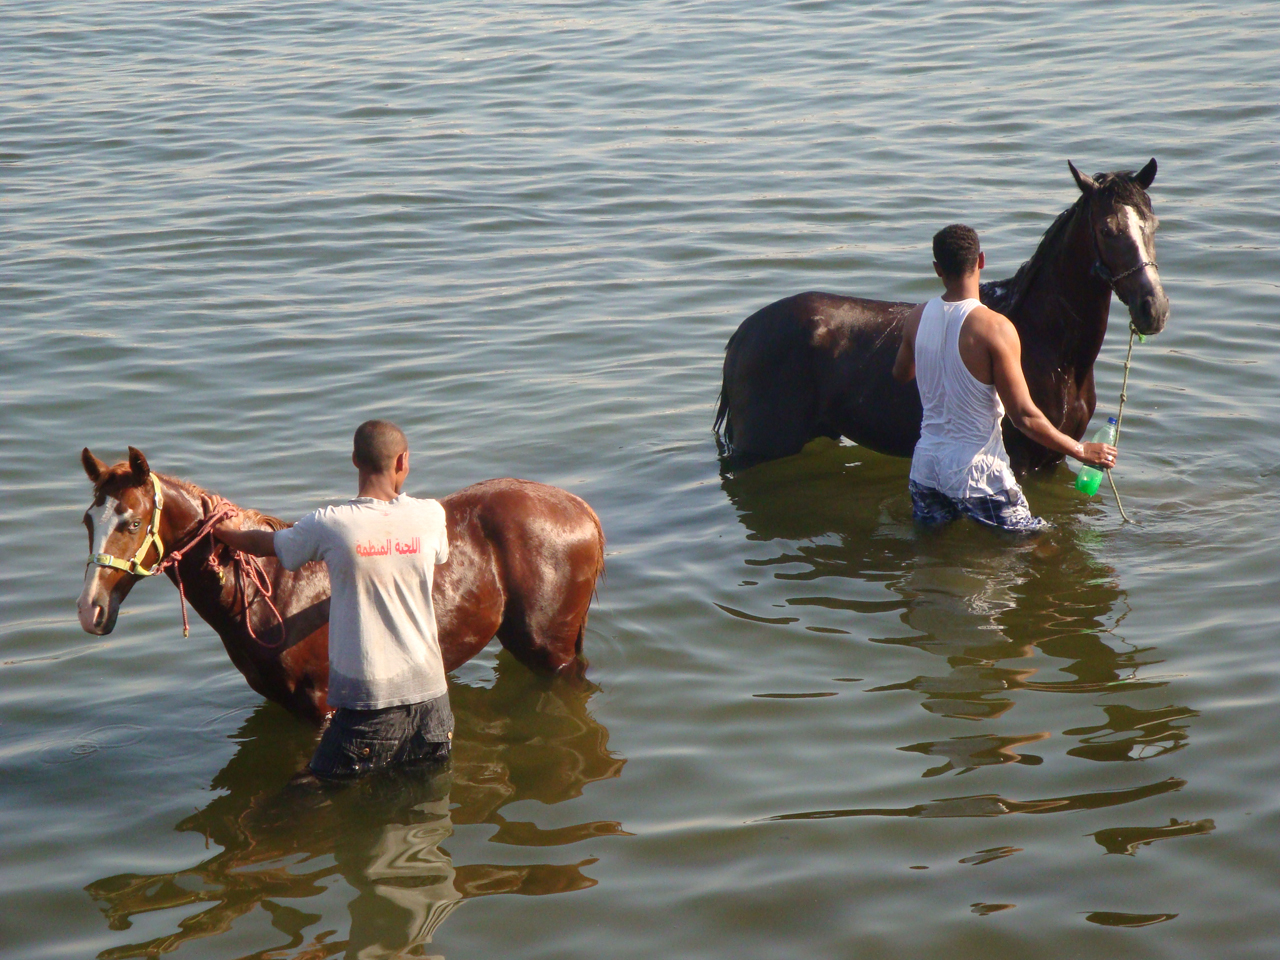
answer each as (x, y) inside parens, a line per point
(1090, 478)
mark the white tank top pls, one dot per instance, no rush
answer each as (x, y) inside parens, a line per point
(961, 452)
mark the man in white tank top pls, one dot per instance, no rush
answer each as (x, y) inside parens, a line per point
(967, 362)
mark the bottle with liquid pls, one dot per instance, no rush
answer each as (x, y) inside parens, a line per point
(1090, 478)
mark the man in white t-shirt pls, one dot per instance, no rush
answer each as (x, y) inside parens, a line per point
(386, 674)
(967, 361)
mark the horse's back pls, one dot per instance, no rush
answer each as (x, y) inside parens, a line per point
(814, 364)
(527, 514)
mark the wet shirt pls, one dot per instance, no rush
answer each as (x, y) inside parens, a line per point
(383, 647)
(961, 450)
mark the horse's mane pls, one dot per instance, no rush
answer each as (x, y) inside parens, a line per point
(195, 490)
(1119, 187)
(115, 480)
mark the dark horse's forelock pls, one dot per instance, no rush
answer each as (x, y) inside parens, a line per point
(1120, 188)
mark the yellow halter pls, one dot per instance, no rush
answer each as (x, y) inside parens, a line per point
(134, 566)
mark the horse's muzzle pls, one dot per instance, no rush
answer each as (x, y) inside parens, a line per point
(96, 619)
(99, 602)
(1149, 312)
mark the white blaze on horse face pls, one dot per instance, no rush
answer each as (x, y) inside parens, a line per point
(1141, 233)
(105, 521)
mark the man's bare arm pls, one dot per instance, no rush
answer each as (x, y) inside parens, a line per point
(904, 364)
(260, 543)
(1011, 385)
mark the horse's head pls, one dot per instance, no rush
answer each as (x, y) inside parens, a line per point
(124, 543)
(1123, 227)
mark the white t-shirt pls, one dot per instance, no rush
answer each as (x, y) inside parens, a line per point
(383, 648)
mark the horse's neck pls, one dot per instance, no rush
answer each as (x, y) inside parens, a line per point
(210, 593)
(1062, 317)
(221, 589)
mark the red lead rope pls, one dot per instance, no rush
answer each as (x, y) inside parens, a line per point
(245, 562)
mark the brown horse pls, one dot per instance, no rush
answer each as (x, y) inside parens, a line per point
(820, 365)
(523, 563)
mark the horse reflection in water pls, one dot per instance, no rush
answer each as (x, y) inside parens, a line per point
(527, 737)
(986, 606)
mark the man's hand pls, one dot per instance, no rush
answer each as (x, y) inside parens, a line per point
(209, 504)
(260, 543)
(1101, 455)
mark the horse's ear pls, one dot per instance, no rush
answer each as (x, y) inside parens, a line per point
(1144, 176)
(1086, 183)
(94, 467)
(138, 466)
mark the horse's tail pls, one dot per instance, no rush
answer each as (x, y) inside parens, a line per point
(596, 576)
(599, 571)
(723, 425)
(722, 418)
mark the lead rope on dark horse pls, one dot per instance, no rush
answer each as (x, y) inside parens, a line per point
(1101, 269)
(244, 562)
(1124, 395)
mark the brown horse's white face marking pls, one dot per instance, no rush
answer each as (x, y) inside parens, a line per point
(117, 526)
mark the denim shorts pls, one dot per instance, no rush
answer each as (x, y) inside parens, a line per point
(357, 742)
(1006, 510)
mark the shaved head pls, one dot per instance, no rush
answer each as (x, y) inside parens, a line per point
(377, 444)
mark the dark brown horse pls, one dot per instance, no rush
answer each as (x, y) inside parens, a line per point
(819, 364)
(523, 563)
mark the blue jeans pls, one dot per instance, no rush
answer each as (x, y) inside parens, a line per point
(1006, 510)
(357, 742)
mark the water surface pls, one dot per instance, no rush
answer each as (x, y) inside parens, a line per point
(525, 233)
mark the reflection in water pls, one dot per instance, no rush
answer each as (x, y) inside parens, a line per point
(1108, 919)
(990, 854)
(1127, 840)
(524, 738)
(1132, 734)
(1000, 624)
(986, 909)
(990, 805)
(968, 753)
(983, 606)
(392, 857)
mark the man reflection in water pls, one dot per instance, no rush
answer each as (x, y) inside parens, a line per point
(388, 849)
(967, 360)
(386, 675)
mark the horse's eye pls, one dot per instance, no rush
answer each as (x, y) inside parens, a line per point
(1110, 228)
(134, 525)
